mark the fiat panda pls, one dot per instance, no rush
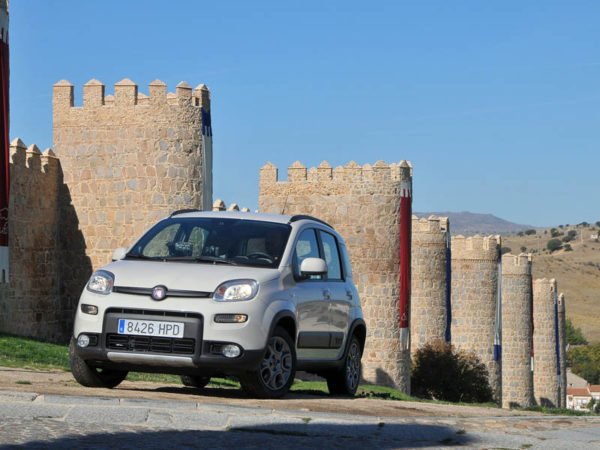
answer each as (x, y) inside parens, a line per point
(206, 294)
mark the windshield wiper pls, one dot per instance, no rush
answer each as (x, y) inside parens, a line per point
(133, 255)
(212, 259)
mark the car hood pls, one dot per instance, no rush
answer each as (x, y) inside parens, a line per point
(195, 276)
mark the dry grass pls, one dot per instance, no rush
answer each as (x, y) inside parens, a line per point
(577, 273)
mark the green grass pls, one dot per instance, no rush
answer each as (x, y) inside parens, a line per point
(558, 411)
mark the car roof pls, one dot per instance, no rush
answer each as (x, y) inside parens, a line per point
(277, 218)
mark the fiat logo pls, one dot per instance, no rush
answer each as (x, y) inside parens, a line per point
(159, 292)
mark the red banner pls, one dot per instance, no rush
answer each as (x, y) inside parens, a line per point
(405, 238)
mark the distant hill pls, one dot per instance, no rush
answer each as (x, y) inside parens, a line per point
(468, 224)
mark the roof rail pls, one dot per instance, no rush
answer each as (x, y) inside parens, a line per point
(298, 217)
(183, 211)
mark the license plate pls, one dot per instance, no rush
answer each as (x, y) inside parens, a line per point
(151, 328)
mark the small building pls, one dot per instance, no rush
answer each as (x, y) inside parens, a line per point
(578, 398)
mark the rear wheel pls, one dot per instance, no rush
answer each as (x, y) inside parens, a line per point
(345, 380)
(275, 374)
(93, 376)
(195, 381)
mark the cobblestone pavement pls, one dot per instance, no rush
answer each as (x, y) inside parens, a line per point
(62, 421)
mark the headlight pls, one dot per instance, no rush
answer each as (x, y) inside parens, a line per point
(101, 282)
(236, 290)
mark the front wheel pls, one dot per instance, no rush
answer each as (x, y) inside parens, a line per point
(276, 372)
(345, 381)
(93, 376)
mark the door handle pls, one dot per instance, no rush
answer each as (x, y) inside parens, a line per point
(326, 294)
(349, 294)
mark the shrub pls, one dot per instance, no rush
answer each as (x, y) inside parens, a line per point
(520, 234)
(530, 232)
(568, 248)
(570, 236)
(523, 249)
(574, 336)
(555, 233)
(504, 250)
(553, 245)
(441, 372)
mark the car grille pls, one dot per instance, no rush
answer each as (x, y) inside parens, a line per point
(124, 342)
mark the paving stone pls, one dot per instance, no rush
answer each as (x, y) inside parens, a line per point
(96, 414)
(31, 410)
(79, 400)
(16, 396)
(170, 404)
(234, 409)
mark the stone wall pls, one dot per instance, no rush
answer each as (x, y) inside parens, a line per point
(517, 378)
(363, 205)
(127, 160)
(429, 265)
(545, 377)
(29, 301)
(474, 300)
(562, 334)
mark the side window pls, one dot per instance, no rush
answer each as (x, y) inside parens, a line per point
(306, 247)
(332, 256)
(346, 260)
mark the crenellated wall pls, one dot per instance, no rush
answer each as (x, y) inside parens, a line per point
(545, 377)
(429, 269)
(29, 297)
(363, 204)
(517, 378)
(128, 160)
(475, 300)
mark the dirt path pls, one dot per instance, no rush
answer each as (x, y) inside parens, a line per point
(59, 382)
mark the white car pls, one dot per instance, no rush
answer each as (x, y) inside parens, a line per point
(204, 294)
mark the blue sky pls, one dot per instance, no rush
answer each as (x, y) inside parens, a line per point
(496, 103)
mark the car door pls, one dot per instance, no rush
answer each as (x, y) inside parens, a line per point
(339, 294)
(312, 308)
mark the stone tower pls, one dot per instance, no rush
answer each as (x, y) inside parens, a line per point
(4, 146)
(562, 335)
(429, 283)
(517, 379)
(545, 376)
(475, 300)
(364, 205)
(127, 161)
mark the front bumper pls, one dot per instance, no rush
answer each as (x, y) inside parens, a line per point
(191, 354)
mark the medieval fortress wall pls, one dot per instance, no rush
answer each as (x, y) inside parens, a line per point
(363, 204)
(429, 281)
(517, 380)
(475, 300)
(129, 159)
(29, 301)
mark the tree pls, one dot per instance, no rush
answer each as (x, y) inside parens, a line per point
(553, 245)
(574, 335)
(523, 249)
(585, 361)
(530, 232)
(442, 372)
(504, 250)
(568, 248)
(520, 234)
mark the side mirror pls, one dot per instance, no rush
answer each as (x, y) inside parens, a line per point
(119, 254)
(313, 266)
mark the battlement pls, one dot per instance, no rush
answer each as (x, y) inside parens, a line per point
(544, 285)
(32, 158)
(297, 172)
(517, 264)
(219, 205)
(476, 247)
(127, 95)
(432, 224)
(561, 303)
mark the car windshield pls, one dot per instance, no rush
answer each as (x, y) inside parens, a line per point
(214, 241)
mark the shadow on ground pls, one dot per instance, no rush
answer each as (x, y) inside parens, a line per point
(276, 435)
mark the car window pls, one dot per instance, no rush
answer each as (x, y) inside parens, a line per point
(331, 255)
(306, 247)
(205, 239)
(346, 260)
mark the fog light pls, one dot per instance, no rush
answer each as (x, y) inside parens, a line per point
(231, 351)
(89, 309)
(83, 340)
(230, 318)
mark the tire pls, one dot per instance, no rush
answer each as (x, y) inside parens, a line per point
(195, 381)
(345, 380)
(92, 376)
(276, 372)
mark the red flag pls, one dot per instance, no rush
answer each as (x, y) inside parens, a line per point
(405, 238)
